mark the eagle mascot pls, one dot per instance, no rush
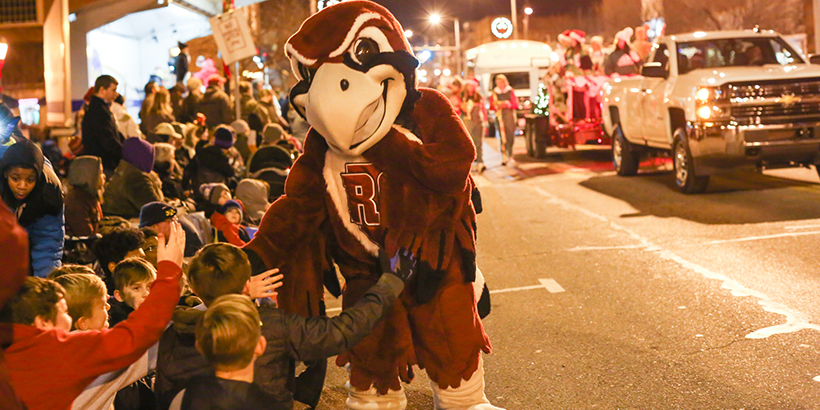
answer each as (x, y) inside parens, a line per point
(385, 165)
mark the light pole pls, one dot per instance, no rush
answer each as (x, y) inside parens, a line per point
(4, 48)
(436, 18)
(514, 10)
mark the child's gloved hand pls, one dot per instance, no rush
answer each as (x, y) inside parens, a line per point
(402, 264)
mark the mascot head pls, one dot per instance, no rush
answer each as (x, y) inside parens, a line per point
(356, 74)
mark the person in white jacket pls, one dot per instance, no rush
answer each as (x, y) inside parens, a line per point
(125, 122)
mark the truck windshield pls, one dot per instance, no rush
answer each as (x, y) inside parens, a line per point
(518, 81)
(735, 52)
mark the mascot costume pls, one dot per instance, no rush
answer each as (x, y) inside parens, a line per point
(385, 165)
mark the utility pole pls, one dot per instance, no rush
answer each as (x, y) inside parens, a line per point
(458, 45)
(514, 10)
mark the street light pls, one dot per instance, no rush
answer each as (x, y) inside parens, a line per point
(527, 13)
(528, 10)
(408, 33)
(436, 18)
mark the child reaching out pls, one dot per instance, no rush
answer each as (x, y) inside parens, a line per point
(49, 367)
(227, 224)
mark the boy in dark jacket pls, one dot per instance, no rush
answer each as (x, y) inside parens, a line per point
(223, 269)
(132, 279)
(230, 338)
(134, 182)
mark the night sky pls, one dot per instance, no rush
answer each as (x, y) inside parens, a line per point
(412, 13)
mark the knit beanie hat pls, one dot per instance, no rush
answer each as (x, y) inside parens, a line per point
(241, 127)
(233, 204)
(224, 137)
(153, 213)
(163, 152)
(139, 153)
(272, 133)
(213, 191)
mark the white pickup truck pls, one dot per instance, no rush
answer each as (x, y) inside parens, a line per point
(716, 101)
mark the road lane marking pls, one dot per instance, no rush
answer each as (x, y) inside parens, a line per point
(604, 248)
(762, 237)
(551, 285)
(795, 321)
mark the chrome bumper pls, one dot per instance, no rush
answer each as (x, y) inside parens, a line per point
(716, 147)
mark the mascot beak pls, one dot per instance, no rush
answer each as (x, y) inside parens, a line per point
(349, 107)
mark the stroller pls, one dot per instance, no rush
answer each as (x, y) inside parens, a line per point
(271, 164)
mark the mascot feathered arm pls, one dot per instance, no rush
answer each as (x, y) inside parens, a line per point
(290, 234)
(442, 161)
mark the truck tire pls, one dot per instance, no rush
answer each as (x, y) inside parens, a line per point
(540, 148)
(685, 178)
(625, 158)
(529, 139)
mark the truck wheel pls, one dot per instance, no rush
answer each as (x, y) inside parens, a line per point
(685, 177)
(540, 146)
(625, 159)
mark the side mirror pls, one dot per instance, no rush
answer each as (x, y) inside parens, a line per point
(654, 70)
(814, 58)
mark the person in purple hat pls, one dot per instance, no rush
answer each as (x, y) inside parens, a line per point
(211, 164)
(134, 182)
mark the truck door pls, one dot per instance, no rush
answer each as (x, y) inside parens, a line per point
(653, 106)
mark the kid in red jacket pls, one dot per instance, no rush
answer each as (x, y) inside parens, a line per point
(50, 367)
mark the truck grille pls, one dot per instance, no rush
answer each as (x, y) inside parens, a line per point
(780, 102)
(774, 89)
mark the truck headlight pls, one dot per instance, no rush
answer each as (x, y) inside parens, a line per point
(705, 112)
(705, 94)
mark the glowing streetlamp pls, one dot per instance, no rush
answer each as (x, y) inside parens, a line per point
(527, 14)
(436, 18)
(528, 10)
(408, 33)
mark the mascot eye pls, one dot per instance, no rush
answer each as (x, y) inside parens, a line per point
(365, 50)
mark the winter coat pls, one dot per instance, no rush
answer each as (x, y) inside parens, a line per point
(211, 392)
(13, 247)
(209, 165)
(151, 120)
(290, 337)
(216, 106)
(225, 231)
(623, 62)
(101, 137)
(83, 209)
(252, 107)
(50, 368)
(190, 106)
(129, 189)
(125, 122)
(41, 212)
(254, 195)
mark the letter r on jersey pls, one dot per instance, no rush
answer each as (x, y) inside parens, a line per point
(361, 182)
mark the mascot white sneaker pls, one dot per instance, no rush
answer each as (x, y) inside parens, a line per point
(385, 165)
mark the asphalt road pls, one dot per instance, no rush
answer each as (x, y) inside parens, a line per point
(621, 293)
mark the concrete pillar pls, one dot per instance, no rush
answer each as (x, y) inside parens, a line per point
(57, 64)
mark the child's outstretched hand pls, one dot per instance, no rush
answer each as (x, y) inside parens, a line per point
(264, 285)
(171, 249)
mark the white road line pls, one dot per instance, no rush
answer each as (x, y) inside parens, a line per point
(603, 248)
(492, 292)
(795, 321)
(796, 227)
(551, 285)
(762, 237)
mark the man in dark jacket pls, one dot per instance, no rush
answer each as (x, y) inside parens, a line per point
(221, 269)
(215, 104)
(101, 137)
(181, 65)
(250, 106)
